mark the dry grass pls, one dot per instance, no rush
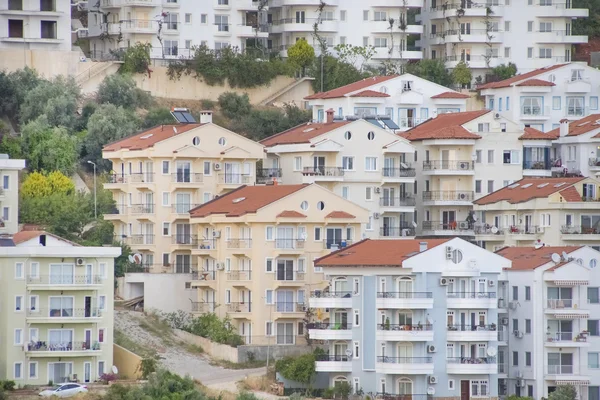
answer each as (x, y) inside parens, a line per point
(256, 383)
(135, 347)
(215, 393)
(245, 365)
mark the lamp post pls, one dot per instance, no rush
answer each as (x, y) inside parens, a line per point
(95, 189)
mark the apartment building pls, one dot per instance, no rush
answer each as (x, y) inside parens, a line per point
(9, 194)
(460, 157)
(410, 318)
(160, 174)
(56, 323)
(554, 211)
(543, 97)
(255, 250)
(359, 161)
(548, 302)
(407, 100)
(486, 34)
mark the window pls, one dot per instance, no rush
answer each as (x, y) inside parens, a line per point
(348, 163)
(269, 328)
(188, 18)
(317, 234)
(369, 226)
(511, 157)
(33, 370)
(594, 360)
(531, 105)
(593, 327)
(515, 324)
(102, 302)
(545, 52)
(166, 199)
(165, 167)
(575, 106)
(356, 286)
(19, 270)
(500, 104)
(508, 98)
(102, 271)
(530, 52)
(478, 186)
(479, 388)
(101, 335)
(206, 167)
(593, 102)
(545, 26)
(506, 26)
(297, 163)
(380, 42)
(188, 44)
(18, 370)
(5, 213)
(592, 295)
(490, 186)
(343, 15)
(345, 192)
(576, 75)
(227, 296)
(356, 318)
(490, 156)
(528, 357)
(365, 15)
(222, 22)
(165, 228)
(356, 350)
(527, 326)
(380, 16)
(171, 47)
(370, 163)
(18, 336)
(269, 233)
(101, 368)
(528, 293)
(450, 384)
(6, 179)
(478, 155)
(18, 303)
(204, 19)
(48, 29)
(515, 358)
(368, 193)
(206, 197)
(34, 303)
(529, 26)
(556, 102)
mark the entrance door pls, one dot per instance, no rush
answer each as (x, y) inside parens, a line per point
(334, 237)
(87, 371)
(464, 390)
(319, 165)
(88, 306)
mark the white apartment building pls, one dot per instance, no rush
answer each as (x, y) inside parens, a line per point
(35, 25)
(357, 160)
(461, 157)
(543, 97)
(548, 302)
(405, 99)
(485, 34)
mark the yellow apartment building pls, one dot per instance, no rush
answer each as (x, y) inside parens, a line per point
(56, 309)
(9, 194)
(255, 252)
(160, 174)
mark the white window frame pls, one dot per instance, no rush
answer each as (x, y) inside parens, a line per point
(369, 225)
(29, 365)
(20, 276)
(267, 325)
(350, 159)
(100, 302)
(320, 230)
(162, 167)
(37, 303)
(267, 297)
(272, 230)
(370, 158)
(168, 224)
(103, 336)
(167, 196)
(270, 260)
(20, 341)
(103, 270)
(21, 299)
(356, 350)
(356, 286)
(369, 193)
(297, 163)
(15, 377)
(356, 318)
(34, 272)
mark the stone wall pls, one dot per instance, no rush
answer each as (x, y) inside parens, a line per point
(275, 352)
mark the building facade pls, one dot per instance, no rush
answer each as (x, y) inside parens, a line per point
(56, 323)
(255, 252)
(550, 309)
(410, 318)
(9, 194)
(574, 147)
(160, 174)
(357, 160)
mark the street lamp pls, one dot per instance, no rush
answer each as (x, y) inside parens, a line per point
(95, 188)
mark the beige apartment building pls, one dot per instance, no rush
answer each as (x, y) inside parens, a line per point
(553, 211)
(9, 194)
(255, 251)
(56, 319)
(160, 174)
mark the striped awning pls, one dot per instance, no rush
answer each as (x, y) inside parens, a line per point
(574, 315)
(571, 283)
(572, 382)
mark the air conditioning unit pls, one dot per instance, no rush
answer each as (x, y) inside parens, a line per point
(501, 303)
(491, 283)
(433, 379)
(376, 215)
(216, 234)
(79, 261)
(540, 229)
(220, 266)
(431, 349)
(512, 305)
(463, 225)
(217, 166)
(449, 251)
(464, 165)
(443, 281)
(497, 116)
(377, 189)
(518, 334)
(521, 382)
(504, 321)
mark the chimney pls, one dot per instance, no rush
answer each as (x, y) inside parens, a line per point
(330, 115)
(206, 117)
(422, 246)
(564, 127)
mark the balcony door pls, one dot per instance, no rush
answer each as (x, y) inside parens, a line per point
(183, 263)
(300, 17)
(404, 351)
(339, 351)
(389, 165)
(560, 363)
(285, 270)
(445, 159)
(319, 165)
(334, 237)
(285, 237)
(405, 287)
(448, 219)
(405, 387)
(285, 301)
(183, 202)
(149, 174)
(389, 195)
(285, 333)
(61, 274)
(407, 117)
(340, 319)
(184, 171)
(60, 339)
(232, 173)
(60, 372)
(388, 226)
(183, 232)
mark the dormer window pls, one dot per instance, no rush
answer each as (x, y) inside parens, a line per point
(407, 86)
(576, 75)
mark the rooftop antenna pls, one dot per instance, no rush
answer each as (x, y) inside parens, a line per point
(555, 258)
(565, 256)
(538, 245)
(175, 130)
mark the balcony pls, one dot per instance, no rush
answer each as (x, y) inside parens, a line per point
(566, 339)
(562, 10)
(239, 246)
(405, 365)
(560, 36)
(397, 232)
(289, 246)
(203, 278)
(186, 178)
(402, 333)
(333, 363)
(238, 310)
(474, 60)
(234, 180)
(140, 26)
(398, 174)
(184, 240)
(333, 244)
(444, 167)
(63, 282)
(470, 10)
(139, 242)
(268, 175)
(581, 85)
(239, 278)
(566, 374)
(525, 232)
(402, 300)
(183, 208)
(281, 3)
(63, 349)
(327, 299)
(566, 309)
(471, 365)
(184, 268)
(289, 309)
(285, 279)
(535, 113)
(537, 168)
(578, 232)
(594, 163)
(448, 197)
(329, 331)
(405, 203)
(64, 316)
(489, 232)
(205, 247)
(141, 209)
(484, 300)
(202, 307)
(451, 228)
(473, 36)
(468, 333)
(322, 174)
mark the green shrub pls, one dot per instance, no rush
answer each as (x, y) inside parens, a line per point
(147, 366)
(209, 326)
(329, 393)
(299, 369)
(234, 105)
(208, 104)
(136, 59)
(246, 396)
(7, 385)
(342, 390)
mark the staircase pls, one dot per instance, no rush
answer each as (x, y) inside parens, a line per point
(287, 88)
(93, 71)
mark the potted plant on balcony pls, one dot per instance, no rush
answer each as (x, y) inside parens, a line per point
(387, 324)
(493, 327)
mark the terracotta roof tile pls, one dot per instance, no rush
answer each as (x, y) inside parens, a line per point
(339, 214)
(451, 95)
(353, 87)
(527, 189)
(376, 252)
(571, 194)
(290, 214)
(530, 258)
(369, 93)
(581, 126)
(302, 133)
(534, 134)
(24, 236)
(244, 200)
(535, 82)
(149, 137)
(518, 78)
(445, 126)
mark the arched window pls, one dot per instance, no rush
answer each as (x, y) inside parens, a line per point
(405, 287)
(404, 386)
(340, 285)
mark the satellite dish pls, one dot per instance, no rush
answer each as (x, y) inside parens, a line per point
(538, 245)
(474, 217)
(565, 255)
(555, 257)
(114, 369)
(414, 224)
(405, 166)
(474, 157)
(137, 258)
(494, 230)
(430, 390)
(492, 351)
(349, 352)
(130, 258)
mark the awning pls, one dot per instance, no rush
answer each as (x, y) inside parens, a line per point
(572, 382)
(571, 283)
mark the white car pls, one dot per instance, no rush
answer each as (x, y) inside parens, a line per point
(64, 390)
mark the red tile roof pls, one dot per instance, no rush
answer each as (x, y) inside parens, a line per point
(369, 93)
(290, 214)
(581, 126)
(24, 236)
(244, 200)
(527, 189)
(518, 78)
(530, 258)
(302, 133)
(149, 137)
(353, 87)
(451, 95)
(535, 82)
(370, 252)
(445, 126)
(571, 194)
(533, 134)
(339, 214)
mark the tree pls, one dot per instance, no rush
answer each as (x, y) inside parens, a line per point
(233, 105)
(433, 70)
(587, 26)
(120, 90)
(504, 71)
(13, 88)
(136, 59)
(157, 116)
(299, 369)
(357, 56)
(301, 54)
(108, 124)
(56, 99)
(461, 74)
(566, 392)
(12, 146)
(336, 73)
(38, 184)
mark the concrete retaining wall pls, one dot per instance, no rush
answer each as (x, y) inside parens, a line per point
(215, 350)
(127, 362)
(275, 352)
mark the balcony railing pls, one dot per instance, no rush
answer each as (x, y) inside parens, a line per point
(204, 275)
(183, 208)
(142, 177)
(141, 209)
(594, 162)
(404, 327)
(64, 279)
(322, 294)
(234, 179)
(471, 360)
(184, 239)
(400, 231)
(447, 226)
(184, 268)
(542, 165)
(238, 307)
(334, 326)
(565, 337)
(471, 295)
(450, 165)
(448, 195)
(264, 175)
(406, 200)
(62, 346)
(335, 357)
(187, 177)
(487, 229)
(239, 243)
(281, 276)
(239, 275)
(65, 312)
(207, 244)
(472, 328)
(407, 172)
(136, 240)
(559, 303)
(336, 244)
(560, 369)
(579, 230)
(388, 396)
(323, 171)
(404, 360)
(200, 306)
(290, 244)
(290, 306)
(523, 229)
(404, 295)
